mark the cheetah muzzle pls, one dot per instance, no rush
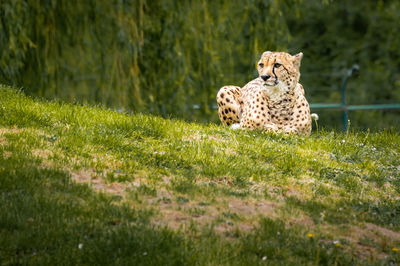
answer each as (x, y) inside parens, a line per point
(274, 101)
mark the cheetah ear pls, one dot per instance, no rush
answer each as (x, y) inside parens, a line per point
(297, 59)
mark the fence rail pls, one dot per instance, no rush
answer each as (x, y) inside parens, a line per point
(354, 107)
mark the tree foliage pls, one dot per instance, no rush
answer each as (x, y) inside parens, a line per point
(164, 57)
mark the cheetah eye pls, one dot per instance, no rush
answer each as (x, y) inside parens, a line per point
(261, 65)
(276, 65)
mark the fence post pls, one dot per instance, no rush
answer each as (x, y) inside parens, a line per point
(345, 116)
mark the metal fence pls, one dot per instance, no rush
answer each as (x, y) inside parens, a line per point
(343, 105)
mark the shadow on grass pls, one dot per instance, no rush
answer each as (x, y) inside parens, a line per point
(385, 213)
(46, 219)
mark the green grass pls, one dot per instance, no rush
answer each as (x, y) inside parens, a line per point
(87, 185)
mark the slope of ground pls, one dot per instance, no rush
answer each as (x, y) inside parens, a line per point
(86, 185)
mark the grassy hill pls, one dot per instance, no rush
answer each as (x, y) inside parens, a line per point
(87, 185)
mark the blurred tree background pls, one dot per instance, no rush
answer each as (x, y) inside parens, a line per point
(170, 57)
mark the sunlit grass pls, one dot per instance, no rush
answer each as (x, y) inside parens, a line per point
(89, 185)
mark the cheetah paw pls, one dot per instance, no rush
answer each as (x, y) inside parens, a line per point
(270, 127)
(235, 126)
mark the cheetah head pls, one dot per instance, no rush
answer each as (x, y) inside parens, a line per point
(279, 70)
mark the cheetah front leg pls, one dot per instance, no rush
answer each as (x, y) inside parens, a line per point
(290, 130)
(229, 105)
(271, 127)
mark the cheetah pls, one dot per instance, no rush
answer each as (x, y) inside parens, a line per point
(275, 101)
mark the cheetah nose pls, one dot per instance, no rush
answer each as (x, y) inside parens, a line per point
(265, 77)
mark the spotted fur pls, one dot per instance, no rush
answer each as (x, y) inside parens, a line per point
(274, 101)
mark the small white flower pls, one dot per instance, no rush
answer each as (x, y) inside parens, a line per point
(314, 116)
(80, 246)
(343, 141)
(264, 258)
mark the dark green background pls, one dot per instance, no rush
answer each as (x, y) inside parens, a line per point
(163, 57)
